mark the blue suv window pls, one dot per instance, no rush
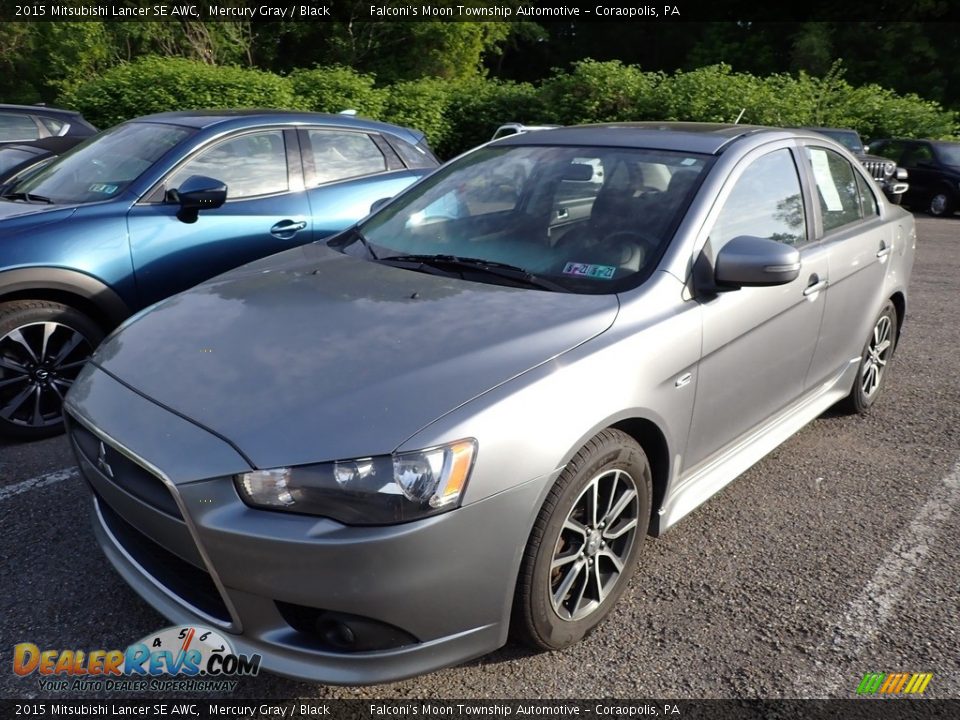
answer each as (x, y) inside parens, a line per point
(250, 165)
(338, 155)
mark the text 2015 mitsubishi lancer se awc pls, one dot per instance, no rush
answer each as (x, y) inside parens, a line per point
(373, 456)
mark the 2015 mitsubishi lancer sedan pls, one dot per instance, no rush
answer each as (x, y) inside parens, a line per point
(370, 457)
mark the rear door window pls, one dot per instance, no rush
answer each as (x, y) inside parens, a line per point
(17, 127)
(837, 190)
(340, 155)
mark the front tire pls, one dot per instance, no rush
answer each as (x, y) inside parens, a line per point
(941, 204)
(584, 544)
(876, 355)
(43, 346)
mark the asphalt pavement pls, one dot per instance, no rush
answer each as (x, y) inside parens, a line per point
(837, 555)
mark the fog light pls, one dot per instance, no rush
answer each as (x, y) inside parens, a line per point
(337, 634)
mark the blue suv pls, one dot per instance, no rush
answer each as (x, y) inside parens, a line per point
(158, 204)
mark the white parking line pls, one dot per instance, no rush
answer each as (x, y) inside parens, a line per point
(38, 482)
(871, 608)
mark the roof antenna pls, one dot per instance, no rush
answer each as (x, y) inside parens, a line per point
(737, 121)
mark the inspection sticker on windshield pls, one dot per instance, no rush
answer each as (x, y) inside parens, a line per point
(105, 189)
(601, 272)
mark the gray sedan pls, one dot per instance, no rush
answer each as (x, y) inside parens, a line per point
(375, 456)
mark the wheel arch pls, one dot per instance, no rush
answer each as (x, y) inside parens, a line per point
(78, 290)
(899, 301)
(651, 438)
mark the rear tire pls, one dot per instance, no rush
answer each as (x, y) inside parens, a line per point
(876, 355)
(43, 347)
(584, 544)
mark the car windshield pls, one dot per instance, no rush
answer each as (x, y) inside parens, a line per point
(10, 157)
(103, 166)
(949, 153)
(848, 138)
(580, 219)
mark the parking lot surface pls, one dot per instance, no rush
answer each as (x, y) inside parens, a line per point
(837, 555)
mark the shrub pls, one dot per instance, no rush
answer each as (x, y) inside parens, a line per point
(420, 104)
(335, 88)
(601, 92)
(478, 107)
(153, 84)
(714, 94)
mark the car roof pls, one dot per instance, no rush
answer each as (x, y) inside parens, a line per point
(705, 138)
(202, 119)
(826, 129)
(38, 110)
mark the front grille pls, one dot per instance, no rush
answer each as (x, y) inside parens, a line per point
(878, 169)
(124, 472)
(188, 582)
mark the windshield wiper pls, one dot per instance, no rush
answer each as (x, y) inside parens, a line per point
(458, 264)
(351, 237)
(27, 197)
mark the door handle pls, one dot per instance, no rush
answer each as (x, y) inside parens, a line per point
(884, 250)
(562, 214)
(815, 286)
(286, 229)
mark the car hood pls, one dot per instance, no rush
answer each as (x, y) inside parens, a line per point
(313, 355)
(47, 213)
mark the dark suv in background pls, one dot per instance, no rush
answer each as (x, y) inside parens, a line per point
(889, 177)
(19, 123)
(934, 167)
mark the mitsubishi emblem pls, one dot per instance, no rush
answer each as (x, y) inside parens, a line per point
(102, 461)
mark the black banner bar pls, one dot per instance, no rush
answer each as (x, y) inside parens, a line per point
(539, 11)
(874, 708)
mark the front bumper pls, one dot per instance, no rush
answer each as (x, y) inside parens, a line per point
(205, 558)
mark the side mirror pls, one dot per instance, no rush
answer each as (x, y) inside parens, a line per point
(377, 204)
(755, 262)
(197, 193)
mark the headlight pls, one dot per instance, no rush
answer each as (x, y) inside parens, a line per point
(367, 491)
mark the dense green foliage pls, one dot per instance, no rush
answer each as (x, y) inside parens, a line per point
(458, 114)
(154, 84)
(335, 88)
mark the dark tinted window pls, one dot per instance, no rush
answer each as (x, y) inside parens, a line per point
(917, 154)
(17, 127)
(250, 165)
(890, 149)
(848, 138)
(766, 202)
(837, 189)
(338, 155)
(949, 153)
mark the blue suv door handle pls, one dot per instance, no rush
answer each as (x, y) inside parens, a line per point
(286, 229)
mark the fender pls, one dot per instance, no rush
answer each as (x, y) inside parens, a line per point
(77, 283)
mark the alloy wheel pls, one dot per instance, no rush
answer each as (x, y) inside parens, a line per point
(594, 544)
(38, 364)
(875, 359)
